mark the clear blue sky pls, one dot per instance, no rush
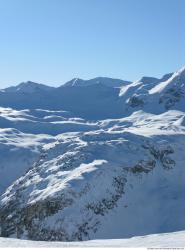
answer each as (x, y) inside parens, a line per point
(52, 41)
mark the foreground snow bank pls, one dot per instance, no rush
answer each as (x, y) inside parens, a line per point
(176, 239)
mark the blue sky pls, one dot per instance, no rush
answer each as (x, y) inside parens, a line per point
(53, 41)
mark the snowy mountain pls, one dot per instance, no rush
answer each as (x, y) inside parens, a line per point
(109, 82)
(105, 91)
(28, 87)
(90, 161)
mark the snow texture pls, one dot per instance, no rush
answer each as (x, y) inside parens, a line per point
(176, 239)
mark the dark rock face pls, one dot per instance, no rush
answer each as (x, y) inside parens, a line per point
(171, 97)
(135, 101)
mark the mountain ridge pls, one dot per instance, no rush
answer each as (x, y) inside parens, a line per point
(110, 82)
(96, 101)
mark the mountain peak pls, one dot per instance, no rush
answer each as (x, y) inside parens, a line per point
(28, 87)
(74, 82)
(148, 79)
(152, 80)
(109, 82)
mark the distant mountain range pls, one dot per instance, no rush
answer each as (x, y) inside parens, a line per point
(31, 87)
(98, 98)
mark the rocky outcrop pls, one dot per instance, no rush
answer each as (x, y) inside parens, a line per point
(171, 97)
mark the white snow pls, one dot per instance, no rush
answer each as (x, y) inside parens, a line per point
(109, 82)
(28, 87)
(81, 148)
(175, 239)
(161, 86)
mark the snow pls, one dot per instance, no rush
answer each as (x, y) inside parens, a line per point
(99, 98)
(18, 152)
(109, 157)
(175, 239)
(81, 168)
(161, 86)
(142, 123)
(43, 121)
(28, 87)
(60, 181)
(109, 82)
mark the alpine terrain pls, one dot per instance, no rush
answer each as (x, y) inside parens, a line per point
(93, 159)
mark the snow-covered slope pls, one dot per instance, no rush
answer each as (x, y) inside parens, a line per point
(155, 96)
(89, 102)
(43, 121)
(18, 152)
(176, 239)
(68, 175)
(84, 182)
